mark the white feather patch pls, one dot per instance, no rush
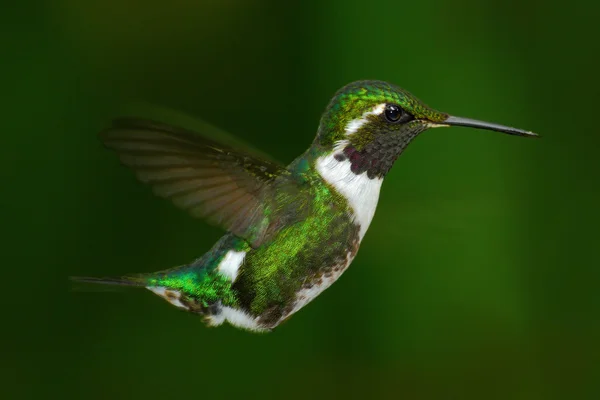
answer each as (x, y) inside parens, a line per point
(361, 192)
(237, 318)
(231, 263)
(354, 125)
(172, 296)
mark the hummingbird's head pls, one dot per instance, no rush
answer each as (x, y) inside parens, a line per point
(370, 123)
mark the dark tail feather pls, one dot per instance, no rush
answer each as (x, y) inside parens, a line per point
(122, 281)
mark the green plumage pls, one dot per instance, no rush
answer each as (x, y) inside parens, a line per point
(300, 254)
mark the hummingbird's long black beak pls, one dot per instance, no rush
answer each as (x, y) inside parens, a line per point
(473, 123)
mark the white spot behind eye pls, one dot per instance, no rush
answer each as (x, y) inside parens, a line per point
(354, 125)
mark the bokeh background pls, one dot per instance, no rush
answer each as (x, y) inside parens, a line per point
(478, 278)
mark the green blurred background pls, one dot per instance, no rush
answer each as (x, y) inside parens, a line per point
(481, 268)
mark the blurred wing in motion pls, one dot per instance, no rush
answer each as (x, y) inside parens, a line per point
(209, 180)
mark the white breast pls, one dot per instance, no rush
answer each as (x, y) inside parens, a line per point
(361, 192)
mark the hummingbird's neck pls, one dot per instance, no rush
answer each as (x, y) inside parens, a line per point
(337, 171)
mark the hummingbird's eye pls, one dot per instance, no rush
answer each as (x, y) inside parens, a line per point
(393, 113)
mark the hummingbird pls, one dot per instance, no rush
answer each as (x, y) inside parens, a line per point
(291, 231)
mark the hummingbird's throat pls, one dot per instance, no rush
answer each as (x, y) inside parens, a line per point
(377, 157)
(361, 162)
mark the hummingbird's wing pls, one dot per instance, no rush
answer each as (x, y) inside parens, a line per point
(209, 180)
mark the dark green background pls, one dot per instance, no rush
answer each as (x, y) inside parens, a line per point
(480, 273)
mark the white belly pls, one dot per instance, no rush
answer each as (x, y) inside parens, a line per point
(307, 294)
